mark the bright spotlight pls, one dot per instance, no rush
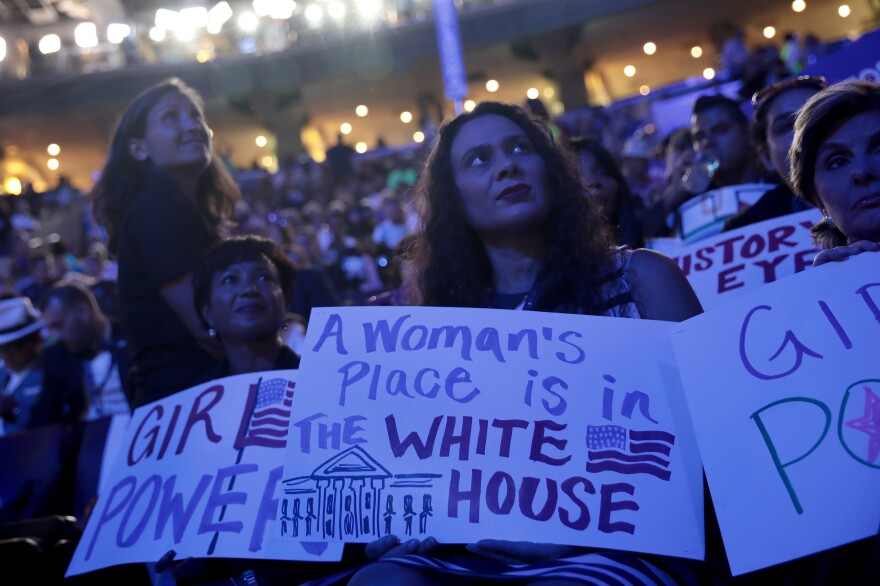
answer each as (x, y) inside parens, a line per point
(492, 85)
(117, 31)
(336, 10)
(2, 49)
(649, 48)
(369, 9)
(361, 147)
(843, 11)
(532, 93)
(248, 22)
(261, 141)
(798, 5)
(168, 19)
(157, 34)
(629, 70)
(52, 164)
(12, 185)
(49, 44)
(469, 105)
(314, 15)
(406, 117)
(85, 35)
(195, 17)
(345, 128)
(277, 9)
(769, 32)
(419, 136)
(696, 51)
(709, 73)
(217, 17)
(262, 7)
(645, 90)
(53, 149)
(361, 111)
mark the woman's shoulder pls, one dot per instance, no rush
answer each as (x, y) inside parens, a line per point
(660, 289)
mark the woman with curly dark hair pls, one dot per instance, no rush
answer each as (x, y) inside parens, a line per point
(507, 224)
(162, 197)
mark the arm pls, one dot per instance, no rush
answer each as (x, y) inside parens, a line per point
(660, 289)
(178, 294)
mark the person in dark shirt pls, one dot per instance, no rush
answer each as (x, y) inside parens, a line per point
(776, 107)
(242, 291)
(162, 197)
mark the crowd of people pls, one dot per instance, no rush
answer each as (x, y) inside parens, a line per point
(191, 275)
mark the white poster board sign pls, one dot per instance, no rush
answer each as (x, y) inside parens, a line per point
(465, 424)
(704, 215)
(731, 263)
(198, 472)
(786, 405)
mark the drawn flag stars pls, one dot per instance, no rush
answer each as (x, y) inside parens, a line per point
(267, 414)
(869, 423)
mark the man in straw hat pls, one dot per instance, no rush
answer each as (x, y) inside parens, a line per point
(21, 375)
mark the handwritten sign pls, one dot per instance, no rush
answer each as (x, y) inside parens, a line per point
(786, 405)
(197, 472)
(741, 260)
(465, 424)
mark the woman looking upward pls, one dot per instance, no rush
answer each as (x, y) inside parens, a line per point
(162, 197)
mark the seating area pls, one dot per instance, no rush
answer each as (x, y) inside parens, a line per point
(48, 481)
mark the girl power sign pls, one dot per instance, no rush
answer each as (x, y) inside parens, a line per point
(465, 424)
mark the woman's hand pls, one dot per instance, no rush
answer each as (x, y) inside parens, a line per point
(522, 552)
(390, 546)
(841, 253)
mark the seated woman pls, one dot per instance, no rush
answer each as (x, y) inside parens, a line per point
(836, 166)
(241, 291)
(605, 182)
(507, 225)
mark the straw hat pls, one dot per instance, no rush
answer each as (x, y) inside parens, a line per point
(18, 318)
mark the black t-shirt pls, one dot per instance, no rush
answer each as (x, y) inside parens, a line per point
(163, 237)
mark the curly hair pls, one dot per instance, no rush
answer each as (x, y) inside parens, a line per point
(812, 126)
(123, 176)
(453, 266)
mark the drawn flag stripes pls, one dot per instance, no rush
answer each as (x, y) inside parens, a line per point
(647, 454)
(267, 415)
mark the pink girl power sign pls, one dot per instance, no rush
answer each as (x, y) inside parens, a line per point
(465, 424)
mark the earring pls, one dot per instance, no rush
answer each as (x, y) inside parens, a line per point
(212, 332)
(828, 219)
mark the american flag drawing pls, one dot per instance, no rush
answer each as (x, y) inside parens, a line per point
(266, 415)
(645, 452)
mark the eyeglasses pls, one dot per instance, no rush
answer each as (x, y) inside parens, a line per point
(771, 91)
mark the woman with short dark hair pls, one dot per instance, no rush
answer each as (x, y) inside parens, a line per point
(242, 291)
(835, 166)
